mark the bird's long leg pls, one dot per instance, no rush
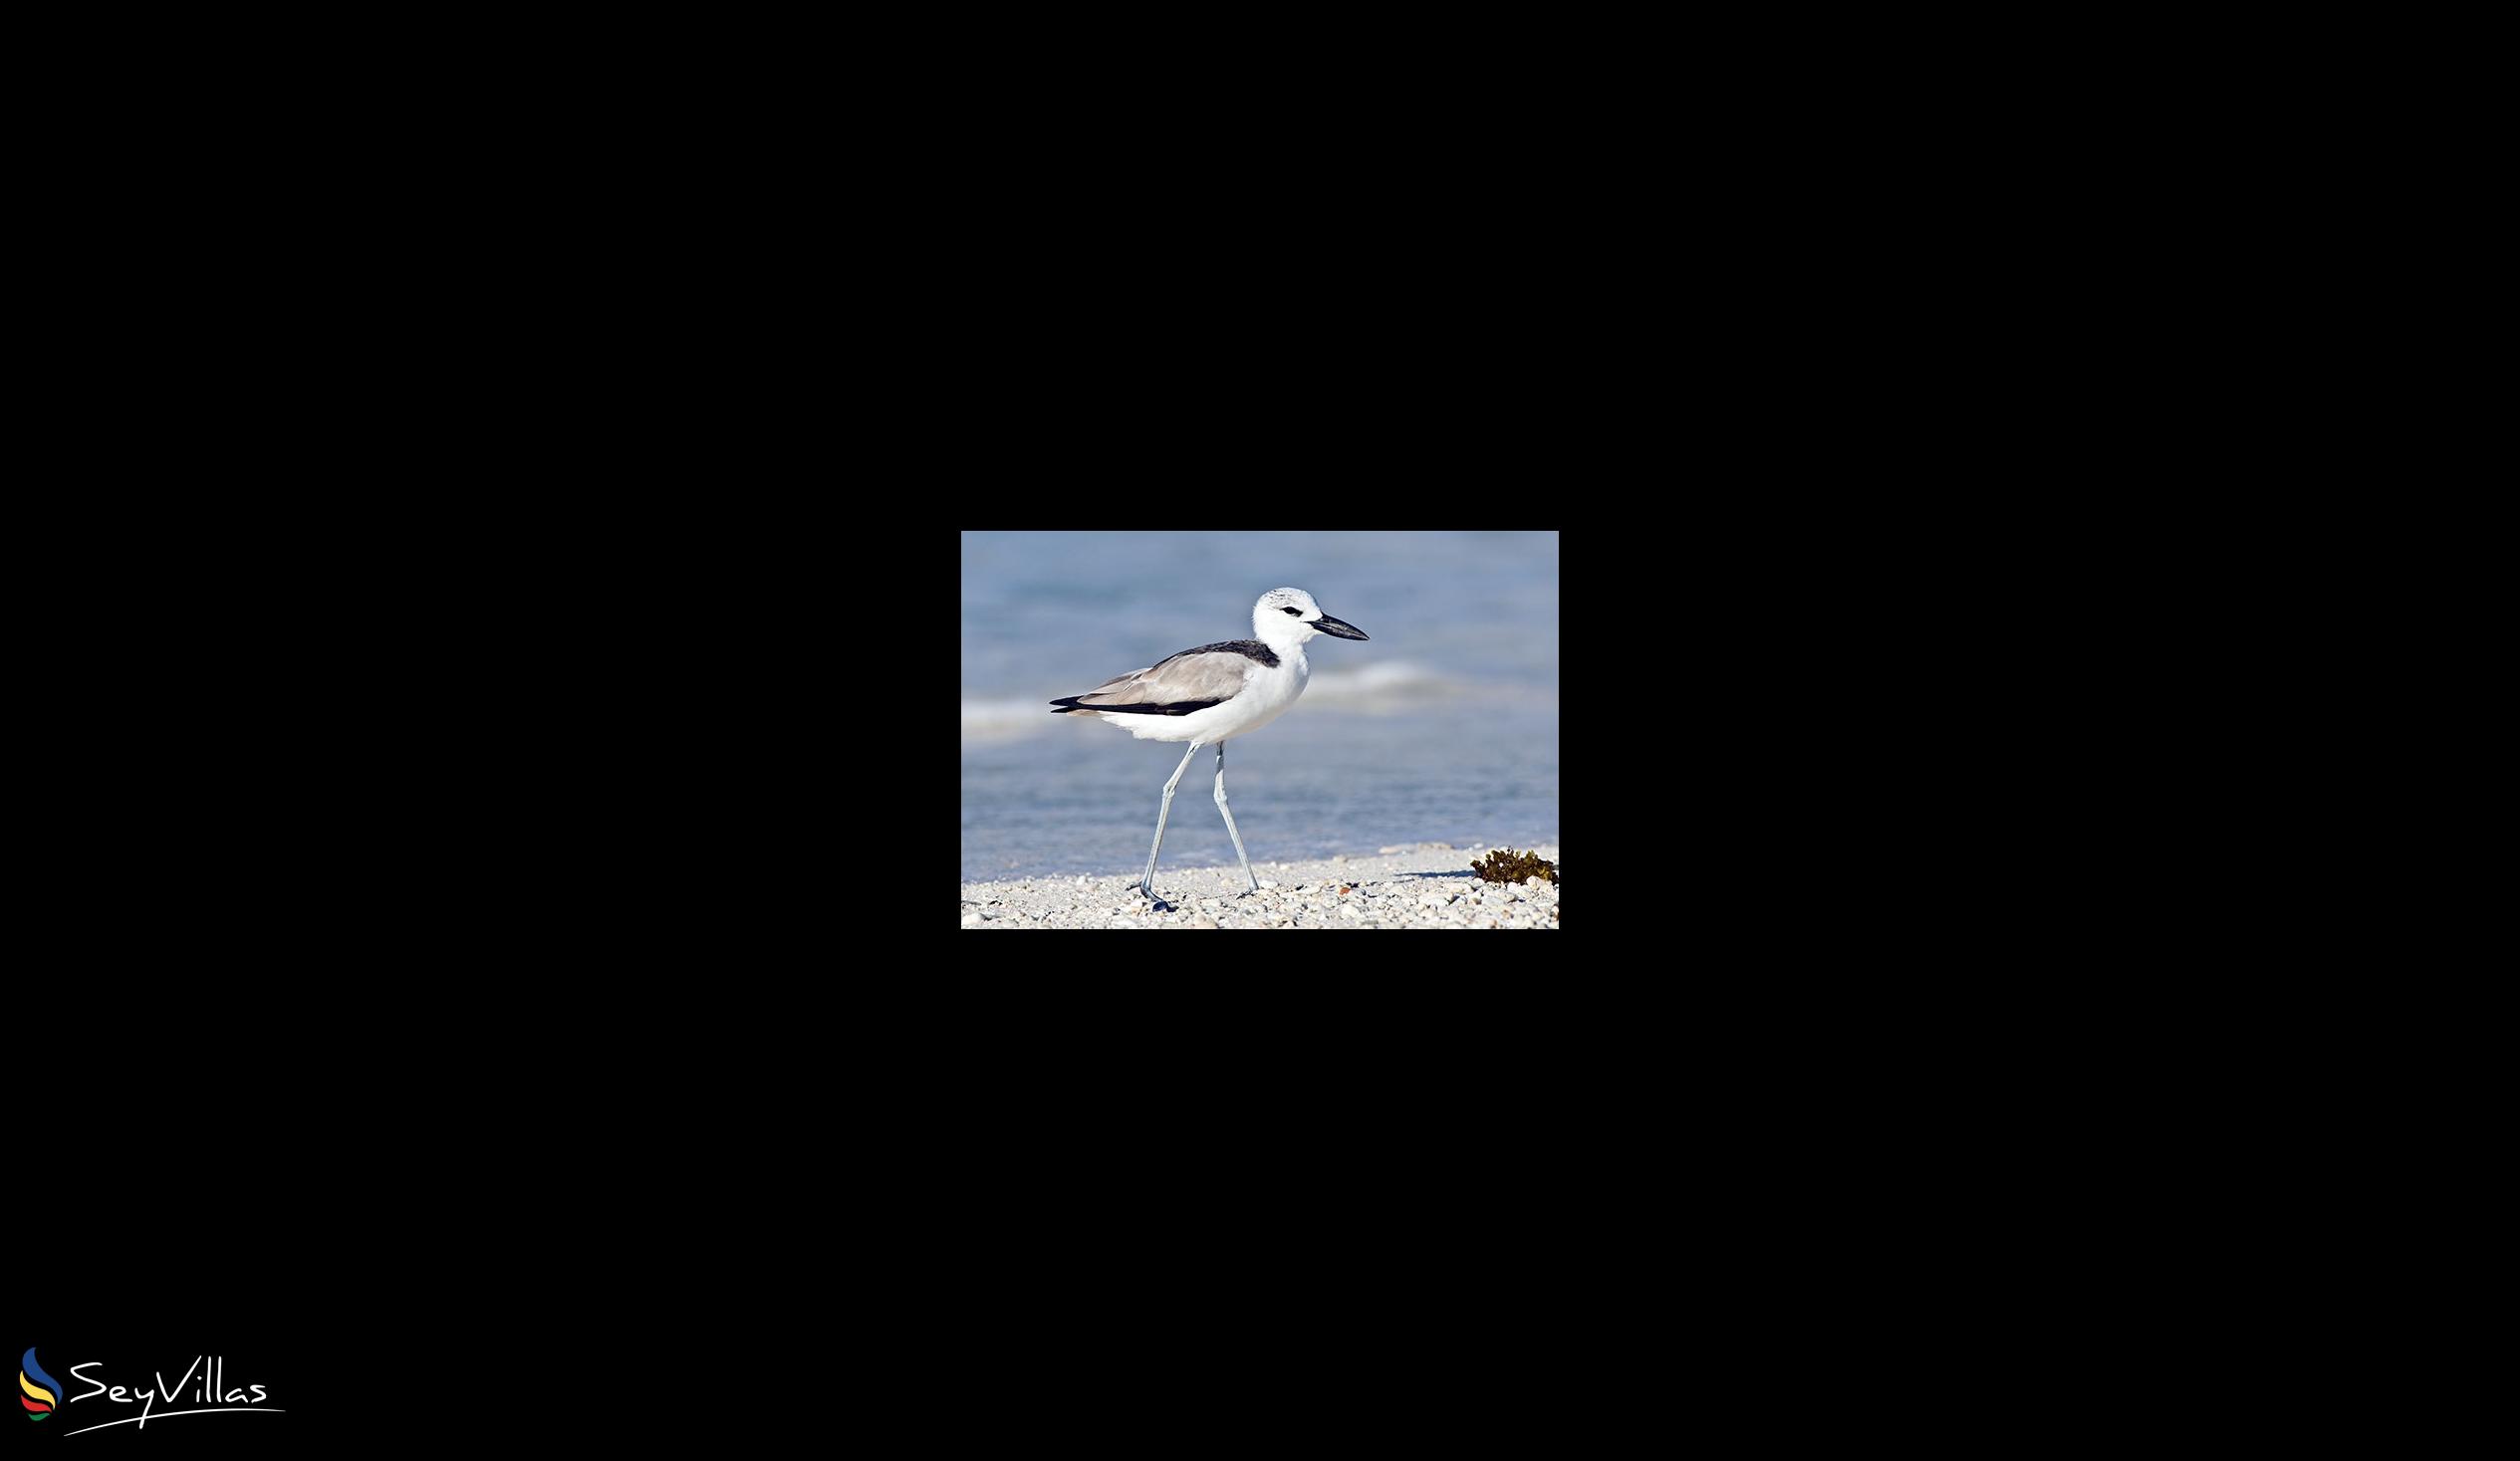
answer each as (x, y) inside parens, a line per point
(1230, 829)
(1147, 884)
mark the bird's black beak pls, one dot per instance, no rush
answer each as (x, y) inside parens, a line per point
(1339, 627)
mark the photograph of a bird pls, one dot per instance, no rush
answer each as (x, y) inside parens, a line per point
(1209, 694)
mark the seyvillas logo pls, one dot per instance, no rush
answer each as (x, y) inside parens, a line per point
(215, 1394)
(41, 1388)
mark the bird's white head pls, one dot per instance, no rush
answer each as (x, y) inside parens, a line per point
(1289, 616)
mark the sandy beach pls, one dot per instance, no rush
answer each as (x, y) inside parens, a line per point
(1420, 885)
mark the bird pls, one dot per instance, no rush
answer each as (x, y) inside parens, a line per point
(1209, 694)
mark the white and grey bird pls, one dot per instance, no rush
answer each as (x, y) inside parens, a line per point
(1208, 695)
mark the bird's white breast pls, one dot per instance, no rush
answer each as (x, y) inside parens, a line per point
(1272, 689)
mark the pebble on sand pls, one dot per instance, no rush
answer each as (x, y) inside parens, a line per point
(1411, 886)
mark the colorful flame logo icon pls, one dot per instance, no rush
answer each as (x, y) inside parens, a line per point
(41, 1388)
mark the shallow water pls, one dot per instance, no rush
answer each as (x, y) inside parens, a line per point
(1442, 727)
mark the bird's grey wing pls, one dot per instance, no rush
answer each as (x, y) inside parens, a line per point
(1117, 685)
(1186, 682)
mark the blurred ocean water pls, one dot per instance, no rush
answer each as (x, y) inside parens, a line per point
(1443, 727)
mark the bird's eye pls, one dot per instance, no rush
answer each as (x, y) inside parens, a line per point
(1296, 611)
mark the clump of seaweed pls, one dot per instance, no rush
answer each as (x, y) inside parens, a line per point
(1504, 864)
